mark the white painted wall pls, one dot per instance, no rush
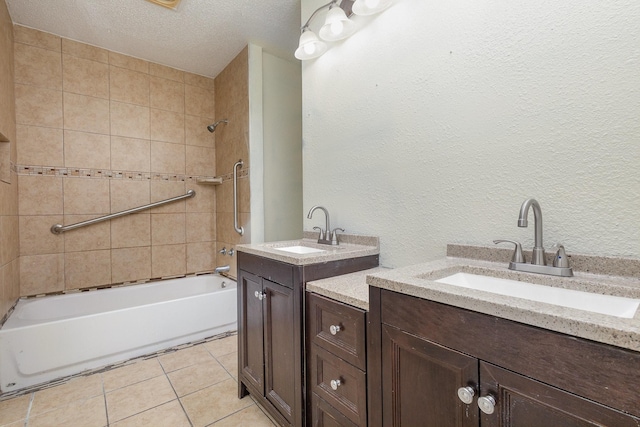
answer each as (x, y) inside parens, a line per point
(275, 127)
(434, 122)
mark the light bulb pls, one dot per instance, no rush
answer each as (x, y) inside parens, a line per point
(372, 3)
(337, 27)
(309, 48)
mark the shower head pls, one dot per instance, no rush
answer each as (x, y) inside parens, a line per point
(212, 128)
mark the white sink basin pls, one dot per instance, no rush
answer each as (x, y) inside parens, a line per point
(300, 250)
(596, 303)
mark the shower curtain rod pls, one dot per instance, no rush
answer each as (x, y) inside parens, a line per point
(59, 228)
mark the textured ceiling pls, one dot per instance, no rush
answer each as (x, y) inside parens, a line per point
(200, 36)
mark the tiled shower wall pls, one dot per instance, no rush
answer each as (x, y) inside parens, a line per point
(99, 132)
(9, 268)
(232, 144)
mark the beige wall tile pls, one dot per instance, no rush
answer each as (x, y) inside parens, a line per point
(128, 62)
(36, 38)
(131, 231)
(129, 86)
(86, 196)
(168, 229)
(224, 227)
(201, 227)
(86, 113)
(225, 155)
(9, 250)
(129, 193)
(162, 190)
(224, 197)
(85, 77)
(130, 264)
(39, 195)
(90, 238)
(38, 106)
(199, 101)
(166, 72)
(87, 269)
(37, 67)
(166, 94)
(36, 237)
(167, 126)
(168, 260)
(167, 158)
(85, 51)
(204, 200)
(129, 120)
(87, 150)
(200, 81)
(130, 154)
(200, 161)
(196, 132)
(38, 146)
(244, 194)
(41, 274)
(201, 257)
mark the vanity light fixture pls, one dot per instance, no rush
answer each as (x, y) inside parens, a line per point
(337, 25)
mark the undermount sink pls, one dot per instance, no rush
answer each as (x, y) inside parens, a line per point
(596, 303)
(300, 250)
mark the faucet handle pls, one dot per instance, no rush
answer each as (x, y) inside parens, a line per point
(321, 231)
(560, 259)
(334, 235)
(518, 255)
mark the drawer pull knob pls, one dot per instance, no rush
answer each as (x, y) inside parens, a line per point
(260, 295)
(465, 394)
(334, 329)
(335, 384)
(487, 404)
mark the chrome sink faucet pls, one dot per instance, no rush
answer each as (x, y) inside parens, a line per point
(326, 236)
(539, 262)
(538, 257)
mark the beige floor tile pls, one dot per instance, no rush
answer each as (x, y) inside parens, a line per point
(78, 389)
(214, 403)
(131, 374)
(183, 358)
(222, 346)
(230, 363)
(139, 397)
(85, 413)
(169, 414)
(251, 416)
(14, 410)
(197, 377)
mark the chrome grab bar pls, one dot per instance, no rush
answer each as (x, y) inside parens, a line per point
(239, 230)
(59, 228)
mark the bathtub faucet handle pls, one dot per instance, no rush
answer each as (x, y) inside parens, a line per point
(223, 251)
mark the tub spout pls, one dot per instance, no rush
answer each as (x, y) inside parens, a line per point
(222, 269)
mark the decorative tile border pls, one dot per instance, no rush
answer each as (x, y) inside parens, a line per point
(110, 174)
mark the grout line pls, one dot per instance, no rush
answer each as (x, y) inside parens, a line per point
(26, 419)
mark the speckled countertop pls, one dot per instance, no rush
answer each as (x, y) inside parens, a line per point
(351, 246)
(349, 288)
(419, 280)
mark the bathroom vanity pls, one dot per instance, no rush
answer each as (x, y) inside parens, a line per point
(443, 355)
(271, 298)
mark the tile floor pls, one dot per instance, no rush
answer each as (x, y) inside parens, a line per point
(194, 386)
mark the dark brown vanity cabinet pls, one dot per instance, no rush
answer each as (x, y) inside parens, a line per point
(271, 354)
(422, 354)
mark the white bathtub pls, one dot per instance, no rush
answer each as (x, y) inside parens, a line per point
(56, 336)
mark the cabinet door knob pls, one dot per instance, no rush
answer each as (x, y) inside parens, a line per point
(487, 404)
(466, 394)
(260, 295)
(256, 294)
(335, 384)
(334, 329)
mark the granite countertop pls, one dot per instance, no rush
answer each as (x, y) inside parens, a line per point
(349, 288)
(419, 280)
(351, 246)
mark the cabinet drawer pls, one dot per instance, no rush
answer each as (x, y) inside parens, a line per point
(350, 395)
(325, 415)
(275, 271)
(325, 316)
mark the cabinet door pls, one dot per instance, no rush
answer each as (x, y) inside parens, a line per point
(523, 402)
(280, 384)
(420, 381)
(251, 330)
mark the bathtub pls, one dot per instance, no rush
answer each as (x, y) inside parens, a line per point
(56, 336)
